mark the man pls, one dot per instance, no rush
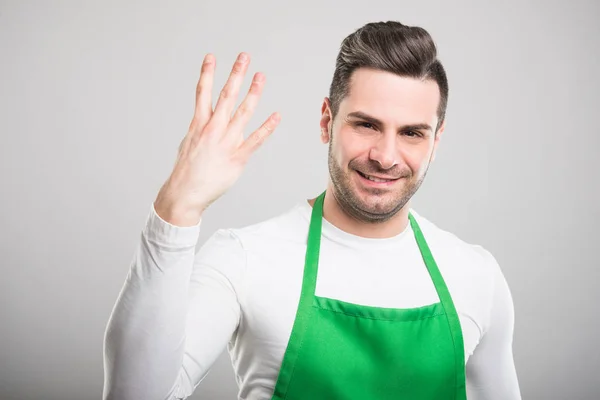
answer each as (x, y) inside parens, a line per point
(350, 295)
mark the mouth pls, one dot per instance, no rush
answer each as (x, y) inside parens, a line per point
(376, 180)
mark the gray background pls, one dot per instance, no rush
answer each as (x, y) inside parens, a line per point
(95, 98)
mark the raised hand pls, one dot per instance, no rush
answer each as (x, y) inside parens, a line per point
(213, 153)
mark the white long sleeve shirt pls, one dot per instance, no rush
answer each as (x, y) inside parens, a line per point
(179, 309)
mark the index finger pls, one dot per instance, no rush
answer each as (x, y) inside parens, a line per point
(203, 110)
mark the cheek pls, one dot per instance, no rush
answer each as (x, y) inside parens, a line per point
(350, 149)
(417, 159)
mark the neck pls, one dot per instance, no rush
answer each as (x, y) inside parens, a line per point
(335, 214)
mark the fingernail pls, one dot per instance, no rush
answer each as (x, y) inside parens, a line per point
(243, 57)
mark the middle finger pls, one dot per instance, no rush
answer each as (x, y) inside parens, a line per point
(230, 91)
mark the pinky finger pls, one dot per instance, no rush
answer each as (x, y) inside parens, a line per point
(257, 138)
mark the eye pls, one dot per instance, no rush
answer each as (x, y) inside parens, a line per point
(367, 125)
(412, 134)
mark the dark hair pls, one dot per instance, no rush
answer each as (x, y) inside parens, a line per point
(393, 47)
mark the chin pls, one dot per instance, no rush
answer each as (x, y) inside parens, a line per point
(376, 201)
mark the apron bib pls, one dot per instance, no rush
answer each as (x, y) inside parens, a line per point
(344, 351)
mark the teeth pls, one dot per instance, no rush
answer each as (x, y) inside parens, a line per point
(376, 179)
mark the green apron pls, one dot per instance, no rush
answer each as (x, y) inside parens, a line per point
(342, 351)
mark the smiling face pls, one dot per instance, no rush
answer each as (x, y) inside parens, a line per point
(381, 142)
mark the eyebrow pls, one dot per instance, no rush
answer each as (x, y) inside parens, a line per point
(375, 121)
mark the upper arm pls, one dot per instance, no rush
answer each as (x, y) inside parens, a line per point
(213, 306)
(491, 373)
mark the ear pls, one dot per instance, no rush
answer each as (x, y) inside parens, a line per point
(436, 141)
(326, 121)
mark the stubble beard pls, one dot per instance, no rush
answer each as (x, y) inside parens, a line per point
(351, 203)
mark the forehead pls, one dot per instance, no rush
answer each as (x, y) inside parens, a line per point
(391, 97)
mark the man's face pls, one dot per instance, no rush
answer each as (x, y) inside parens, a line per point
(384, 128)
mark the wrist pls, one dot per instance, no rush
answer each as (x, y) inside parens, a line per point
(177, 215)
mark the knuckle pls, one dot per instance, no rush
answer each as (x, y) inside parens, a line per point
(207, 66)
(259, 138)
(194, 123)
(193, 142)
(243, 110)
(255, 87)
(253, 145)
(238, 67)
(209, 129)
(199, 88)
(240, 158)
(226, 92)
(196, 126)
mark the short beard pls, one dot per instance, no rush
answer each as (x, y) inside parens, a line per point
(351, 204)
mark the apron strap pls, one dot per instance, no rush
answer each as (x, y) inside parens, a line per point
(305, 309)
(447, 303)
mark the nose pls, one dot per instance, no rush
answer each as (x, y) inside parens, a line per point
(384, 151)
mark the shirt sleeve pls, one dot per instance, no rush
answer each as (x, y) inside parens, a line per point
(175, 313)
(491, 373)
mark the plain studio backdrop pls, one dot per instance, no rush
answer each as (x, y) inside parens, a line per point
(95, 98)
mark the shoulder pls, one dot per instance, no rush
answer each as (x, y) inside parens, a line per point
(470, 270)
(447, 245)
(287, 227)
(228, 250)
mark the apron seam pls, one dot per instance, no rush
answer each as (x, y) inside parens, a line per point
(379, 319)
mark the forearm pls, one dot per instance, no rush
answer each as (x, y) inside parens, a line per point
(491, 373)
(145, 336)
